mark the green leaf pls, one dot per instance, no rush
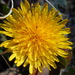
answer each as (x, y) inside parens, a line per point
(69, 71)
(63, 61)
(5, 9)
(1, 50)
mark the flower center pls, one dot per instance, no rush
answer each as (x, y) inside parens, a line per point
(34, 36)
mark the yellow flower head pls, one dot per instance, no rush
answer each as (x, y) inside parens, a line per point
(38, 36)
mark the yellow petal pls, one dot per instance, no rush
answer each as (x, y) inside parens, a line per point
(20, 62)
(31, 68)
(25, 63)
(24, 10)
(27, 4)
(45, 9)
(5, 44)
(63, 22)
(6, 33)
(12, 57)
(40, 68)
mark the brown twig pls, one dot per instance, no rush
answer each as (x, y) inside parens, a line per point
(5, 60)
(3, 52)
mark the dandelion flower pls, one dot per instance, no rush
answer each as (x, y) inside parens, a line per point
(38, 36)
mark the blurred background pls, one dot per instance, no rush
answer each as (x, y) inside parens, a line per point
(66, 66)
